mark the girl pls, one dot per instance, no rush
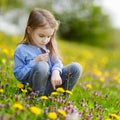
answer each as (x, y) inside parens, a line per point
(36, 60)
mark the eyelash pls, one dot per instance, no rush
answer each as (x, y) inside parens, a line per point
(44, 36)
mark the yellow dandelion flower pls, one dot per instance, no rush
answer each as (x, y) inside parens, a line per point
(97, 71)
(107, 119)
(35, 110)
(62, 112)
(6, 51)
(1, 90)
(113, 115)
(20, 85)
(89, 86)
(54, 93)
(52, 115)
(18, 106)
(4, 61)
(24, 90)
(60, 90)
(44, 97)
(116, 116)
(68, 91)
(30, 89)
(102, 79)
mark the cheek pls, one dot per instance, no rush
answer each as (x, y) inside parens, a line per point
(37, 38)
(48, 40)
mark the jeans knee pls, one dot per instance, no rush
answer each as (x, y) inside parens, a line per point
(42, 67)
(77, 68)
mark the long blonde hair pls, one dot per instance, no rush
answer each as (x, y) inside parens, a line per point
(42, 18)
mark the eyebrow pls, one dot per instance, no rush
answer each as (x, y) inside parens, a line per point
(44, 34)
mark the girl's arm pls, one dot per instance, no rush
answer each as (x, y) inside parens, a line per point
(56, 79)
(21, 69)
(57, 64)
(56, 71)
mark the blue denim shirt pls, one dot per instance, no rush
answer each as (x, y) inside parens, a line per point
(24, 60)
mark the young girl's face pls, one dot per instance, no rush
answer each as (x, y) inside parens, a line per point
(42, 36)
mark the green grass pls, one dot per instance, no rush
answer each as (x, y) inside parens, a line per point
(96, 96)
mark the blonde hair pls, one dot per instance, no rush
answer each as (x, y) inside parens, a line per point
(42, 18)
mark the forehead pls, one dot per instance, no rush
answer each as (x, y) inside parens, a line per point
(45, 31)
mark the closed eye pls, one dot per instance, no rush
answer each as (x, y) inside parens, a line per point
(41, 36)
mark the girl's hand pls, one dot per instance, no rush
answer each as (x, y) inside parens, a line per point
(42, 57)
(56, 79)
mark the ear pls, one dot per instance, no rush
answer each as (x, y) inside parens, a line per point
(29, 29)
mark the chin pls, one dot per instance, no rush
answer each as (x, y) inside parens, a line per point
(41, 45)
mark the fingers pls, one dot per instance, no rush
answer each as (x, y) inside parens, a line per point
(56, 83)
(44, 57)
(60, 82)
(53, 85)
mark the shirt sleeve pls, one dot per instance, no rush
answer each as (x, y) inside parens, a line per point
(57, 64)
(21, 69)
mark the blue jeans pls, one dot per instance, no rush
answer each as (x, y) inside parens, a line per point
(39, 78)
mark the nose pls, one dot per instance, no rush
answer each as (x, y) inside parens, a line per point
(44, 40)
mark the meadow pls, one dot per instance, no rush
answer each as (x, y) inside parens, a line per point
(95, 97)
